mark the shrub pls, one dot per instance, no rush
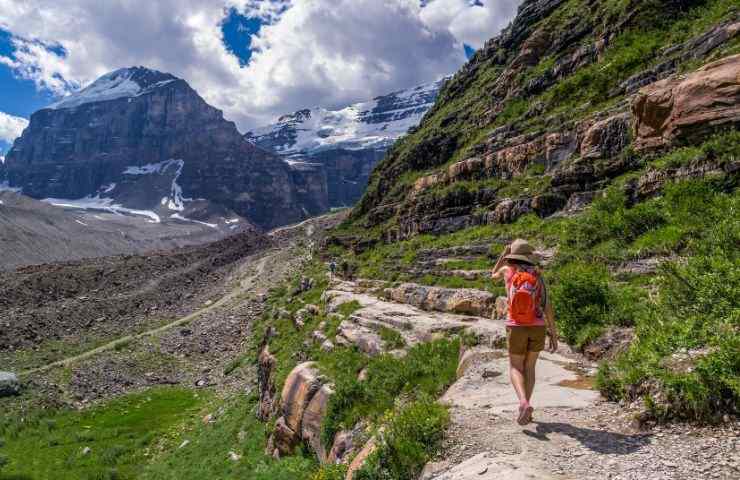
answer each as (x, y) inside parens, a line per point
(331, 472)
(392, 338)
(581, 297)
(427, 369)
(409, 441)
(684, 360)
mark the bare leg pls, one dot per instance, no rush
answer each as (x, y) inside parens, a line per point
(517, 376)
(530, 363)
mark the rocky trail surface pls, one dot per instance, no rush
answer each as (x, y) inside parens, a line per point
(576, 434)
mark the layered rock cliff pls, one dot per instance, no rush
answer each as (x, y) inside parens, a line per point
(147, 140)
(569, 96)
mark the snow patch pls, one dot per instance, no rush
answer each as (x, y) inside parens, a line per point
(176, 200)
(113, 85)
(177, 216)
(105, 204)
(117, 84)
(5, 187)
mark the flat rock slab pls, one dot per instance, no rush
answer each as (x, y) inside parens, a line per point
(495, 391)
(410, 320)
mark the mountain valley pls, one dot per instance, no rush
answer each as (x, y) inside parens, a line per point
(237, 330)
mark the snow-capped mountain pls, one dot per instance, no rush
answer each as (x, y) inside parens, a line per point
(121, 83)
(373, 124)
(349, 141)
(141, 142)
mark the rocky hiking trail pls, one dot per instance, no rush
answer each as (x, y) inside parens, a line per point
(576, 434)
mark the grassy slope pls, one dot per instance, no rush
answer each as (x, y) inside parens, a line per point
(694, 220)
(461, 117)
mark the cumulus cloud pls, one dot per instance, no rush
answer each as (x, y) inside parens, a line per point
(307, 53)
(471, 22)
(11, 127)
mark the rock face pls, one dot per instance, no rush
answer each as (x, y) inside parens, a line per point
(347, 143)
(118, 137)
(682, 108)
(302, 408)
(462, 301)
(266, 366)
(488, 158)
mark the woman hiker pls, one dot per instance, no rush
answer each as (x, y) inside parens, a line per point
(529, 319)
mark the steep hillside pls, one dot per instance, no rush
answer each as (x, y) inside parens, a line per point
(346, 143)
(548, 106)
(145, 140)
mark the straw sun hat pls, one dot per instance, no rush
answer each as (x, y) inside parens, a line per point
(522, 250)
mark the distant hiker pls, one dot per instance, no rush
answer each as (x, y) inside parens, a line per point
(332, 269)
(529, 319)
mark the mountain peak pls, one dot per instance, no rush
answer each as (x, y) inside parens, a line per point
(121, 83)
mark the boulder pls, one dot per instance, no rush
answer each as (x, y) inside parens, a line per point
(313, 418)
(366, 340)
(341, 448)
(514, 160)
(300, 387)
(361, 457)
(466, 301)
(689, 106)
(508, 210)
(9, 384)
(266, 363)
(558, 148)
(606, 138)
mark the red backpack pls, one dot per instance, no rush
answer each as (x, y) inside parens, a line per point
(523, 297)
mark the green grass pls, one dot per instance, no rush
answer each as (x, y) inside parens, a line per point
(427, 369)
(119, 433)
(698, 310)
(391, 338)
(235, 429)
(412, 437)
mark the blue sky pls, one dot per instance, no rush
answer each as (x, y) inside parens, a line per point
(254, 59)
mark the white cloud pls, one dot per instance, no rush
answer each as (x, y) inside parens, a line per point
(469, 21)
(11, 127)
(309, 52)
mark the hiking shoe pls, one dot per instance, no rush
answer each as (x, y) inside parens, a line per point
(525, 415)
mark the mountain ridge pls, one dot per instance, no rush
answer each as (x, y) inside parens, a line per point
(134, 117)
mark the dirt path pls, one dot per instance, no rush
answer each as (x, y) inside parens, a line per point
(245, 285)
(575, 434)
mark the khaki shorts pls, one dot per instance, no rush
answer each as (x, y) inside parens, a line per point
(525, 339)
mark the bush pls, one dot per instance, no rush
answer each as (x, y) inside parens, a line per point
(331, 472)
(409, 441)
(684, 360)
(581, 298)
(427, 369)
(391, 338)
